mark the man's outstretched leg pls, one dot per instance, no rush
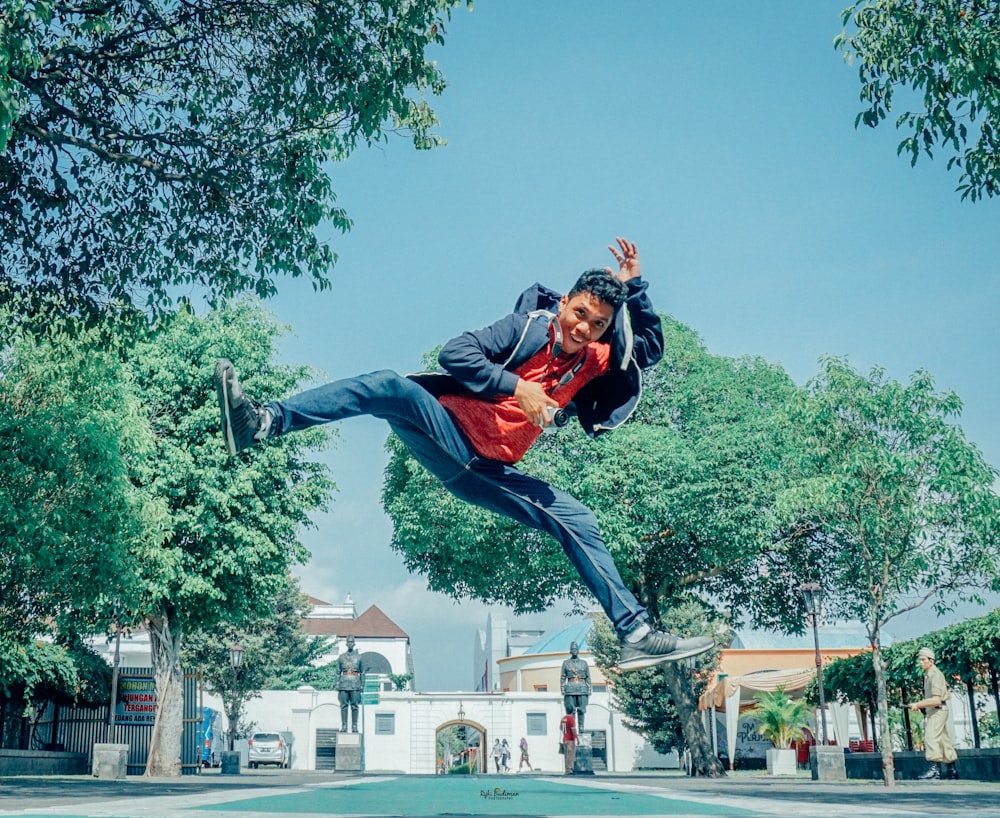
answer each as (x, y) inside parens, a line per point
(423, 424)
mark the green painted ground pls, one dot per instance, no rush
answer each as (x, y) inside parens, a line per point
(450, 796)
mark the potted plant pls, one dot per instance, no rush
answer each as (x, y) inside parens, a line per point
(781, 720)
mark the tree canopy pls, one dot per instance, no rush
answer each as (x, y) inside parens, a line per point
(70, 516)
(148, 148)
(898, 505)
(683, 494)
(941, 60)
(233, 522)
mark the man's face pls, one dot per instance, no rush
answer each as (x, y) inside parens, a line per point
(574, 650)
(582, 319)
(925, 662)
(350, 643)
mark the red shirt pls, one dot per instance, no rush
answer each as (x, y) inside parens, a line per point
(568, 725)
(498, 429)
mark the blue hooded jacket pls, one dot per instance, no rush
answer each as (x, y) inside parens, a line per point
(482, 362)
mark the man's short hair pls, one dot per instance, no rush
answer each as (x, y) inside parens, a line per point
(602, 285)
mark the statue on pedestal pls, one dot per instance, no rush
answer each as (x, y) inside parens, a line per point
(351, 684)
(574, 684)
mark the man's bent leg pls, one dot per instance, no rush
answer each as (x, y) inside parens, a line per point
(508, 491)
(534, 503)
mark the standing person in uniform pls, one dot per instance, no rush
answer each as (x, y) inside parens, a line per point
(580, 353)
(938, 746)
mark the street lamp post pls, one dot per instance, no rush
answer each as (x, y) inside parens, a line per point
(235, 662)
(813, 596)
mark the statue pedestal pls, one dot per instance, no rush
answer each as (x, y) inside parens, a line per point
(230, 762)
(348, 757)
(583, 764)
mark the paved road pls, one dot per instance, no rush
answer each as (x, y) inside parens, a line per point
(281, 793)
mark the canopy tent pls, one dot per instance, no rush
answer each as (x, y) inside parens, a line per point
(731, 694)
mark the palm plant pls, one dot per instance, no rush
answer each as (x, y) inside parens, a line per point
(780, 718)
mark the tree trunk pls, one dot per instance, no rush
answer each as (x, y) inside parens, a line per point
(703, 761)
(882, 703)
(165, 743)
(906, 721)
(995, 686)
(971, 690)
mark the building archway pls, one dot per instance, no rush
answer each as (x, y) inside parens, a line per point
(460, 747)
(374, 662)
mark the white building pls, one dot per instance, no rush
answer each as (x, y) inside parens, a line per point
(400, 730)
(496, 642)
(383, 645)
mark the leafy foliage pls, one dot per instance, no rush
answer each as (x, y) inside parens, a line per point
(644, 697)
(233, 522)
(989, 726)
(780, 718)
(902, 502)
(150, 147)
(70, 518)
(274, 647)
(945, 57)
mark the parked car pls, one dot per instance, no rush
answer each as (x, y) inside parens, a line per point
(268, 748)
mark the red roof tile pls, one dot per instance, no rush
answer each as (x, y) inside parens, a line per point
(372, 624)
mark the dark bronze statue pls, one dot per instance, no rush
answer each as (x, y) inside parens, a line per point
(351, 684)
(574, 684)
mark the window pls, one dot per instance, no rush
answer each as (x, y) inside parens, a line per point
(541, 688)
(385, 724)
(536, 724)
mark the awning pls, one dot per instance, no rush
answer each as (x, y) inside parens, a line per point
(731, 694)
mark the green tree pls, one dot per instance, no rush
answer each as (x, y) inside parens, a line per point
(900, 504)
(272, 640)
(685, 494)
(649, 698)
(234, 522)
(149, 145)
(942, 58)
(70, 518)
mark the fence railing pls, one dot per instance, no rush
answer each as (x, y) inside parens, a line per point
(78, 729)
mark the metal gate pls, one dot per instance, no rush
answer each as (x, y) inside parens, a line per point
(599, 749)
(326, 749)
(77, 729)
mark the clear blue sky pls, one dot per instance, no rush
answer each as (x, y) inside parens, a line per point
(720, 137)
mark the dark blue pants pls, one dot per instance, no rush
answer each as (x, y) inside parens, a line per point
(436, 441)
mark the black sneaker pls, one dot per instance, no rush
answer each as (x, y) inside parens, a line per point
(244, 422)
(656, 647)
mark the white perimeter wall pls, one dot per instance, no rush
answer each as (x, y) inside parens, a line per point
(411, 748)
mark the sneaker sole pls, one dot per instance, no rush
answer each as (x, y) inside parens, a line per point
(222, 370)
(674, 656)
